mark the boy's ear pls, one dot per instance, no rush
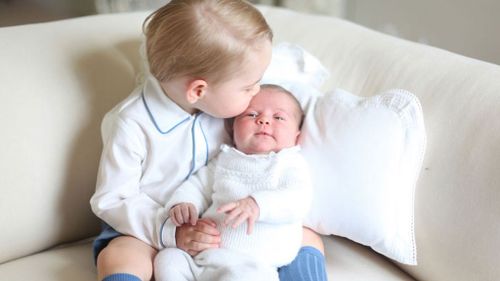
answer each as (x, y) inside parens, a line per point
(196, 89)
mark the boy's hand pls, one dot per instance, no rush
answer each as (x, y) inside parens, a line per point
(183, 213)
(194, 239)
(239, 211)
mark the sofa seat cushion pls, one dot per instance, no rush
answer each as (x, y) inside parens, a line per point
(346, 261)
(350, 261)
(69, 262)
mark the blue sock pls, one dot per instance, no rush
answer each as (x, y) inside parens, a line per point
(309, 265)
(121, 277)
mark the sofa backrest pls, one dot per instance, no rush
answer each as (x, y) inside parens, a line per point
(58, 79)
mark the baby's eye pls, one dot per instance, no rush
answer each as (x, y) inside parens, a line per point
(280, 118)
(252, 114)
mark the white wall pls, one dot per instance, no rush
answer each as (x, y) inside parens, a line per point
(467, 27)
(73, 7)
(13, 12)
(325, 7)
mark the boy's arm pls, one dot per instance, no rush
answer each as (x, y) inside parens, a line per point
(291, 200)
(118, 199)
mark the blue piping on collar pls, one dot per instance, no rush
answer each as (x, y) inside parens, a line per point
(154, 121)
(193, 163)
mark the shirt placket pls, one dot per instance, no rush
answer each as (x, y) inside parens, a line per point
(199, 146)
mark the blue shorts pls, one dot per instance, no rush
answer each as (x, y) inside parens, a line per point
(102, 240)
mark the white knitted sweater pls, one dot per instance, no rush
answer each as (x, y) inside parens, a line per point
(279, 183)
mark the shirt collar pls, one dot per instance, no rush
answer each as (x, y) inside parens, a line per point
(231, 149)
(163, 112)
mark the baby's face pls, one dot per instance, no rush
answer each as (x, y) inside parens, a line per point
(270, 123)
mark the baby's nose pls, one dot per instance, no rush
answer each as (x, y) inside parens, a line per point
(263, 121)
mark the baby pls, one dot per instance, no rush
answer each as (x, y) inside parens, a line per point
(257, 192)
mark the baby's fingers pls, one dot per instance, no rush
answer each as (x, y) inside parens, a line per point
(240, 219)
(175, 217)
(193, 215)
(189, 214)
(184, 210)
(250, 225)
(227, 207)
(235, 213)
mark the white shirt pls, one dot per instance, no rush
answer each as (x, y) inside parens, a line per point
(150, 146)
(279, 182)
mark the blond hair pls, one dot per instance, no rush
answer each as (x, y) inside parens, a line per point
(205, 39)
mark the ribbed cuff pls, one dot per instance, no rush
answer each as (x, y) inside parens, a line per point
(121, 277)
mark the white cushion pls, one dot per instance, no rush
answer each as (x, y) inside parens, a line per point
(365, 155)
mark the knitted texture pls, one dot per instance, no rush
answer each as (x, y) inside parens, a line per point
(280, 184)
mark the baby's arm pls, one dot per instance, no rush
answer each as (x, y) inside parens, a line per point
(291, 200)
(199, 234)
(196, 191)
(286, 204)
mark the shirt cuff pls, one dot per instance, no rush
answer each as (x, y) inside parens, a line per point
(167, 234)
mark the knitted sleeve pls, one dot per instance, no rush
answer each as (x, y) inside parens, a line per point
(291, 200)
(197, 189)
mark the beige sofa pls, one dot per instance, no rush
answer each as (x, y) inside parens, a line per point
(59, 78)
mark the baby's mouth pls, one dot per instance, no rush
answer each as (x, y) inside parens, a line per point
(265, 134)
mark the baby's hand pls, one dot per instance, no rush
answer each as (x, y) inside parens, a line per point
(183, 213)
(239, 211)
